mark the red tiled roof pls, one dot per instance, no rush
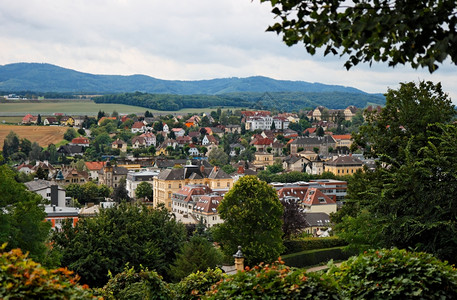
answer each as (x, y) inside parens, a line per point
(315, 197)
(342, 136)
(94, 165)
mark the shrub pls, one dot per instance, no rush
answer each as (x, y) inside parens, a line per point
(274, 281)
(197, 284)
(315, 257)
(22, 278)
(293, 246)
(395, 274)
(136, 285)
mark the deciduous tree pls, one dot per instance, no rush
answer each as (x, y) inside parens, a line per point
(421, 33)
(252, 217)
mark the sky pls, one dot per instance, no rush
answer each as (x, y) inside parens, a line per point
(180, 40)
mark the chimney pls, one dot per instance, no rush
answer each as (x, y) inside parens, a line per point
(54, 195)
(202, 168)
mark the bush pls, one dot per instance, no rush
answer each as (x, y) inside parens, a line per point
(197, 284)
(136, 285)
(274, 281)
(22, 278)
(293, 246)
(314, 257)
(395, 274)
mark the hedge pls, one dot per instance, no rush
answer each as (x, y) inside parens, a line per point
(314, 257)
(294, 246)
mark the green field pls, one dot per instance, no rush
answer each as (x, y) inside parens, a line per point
(88, 108)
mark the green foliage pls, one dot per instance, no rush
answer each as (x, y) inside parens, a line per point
(129, 284)
(196, 284)
(87, 192)
(218, 157)
(70, 134)
(368, 31)
(144, 190)
(274, 281)
(395, 274)
(21, 217)
(405, 202)
(311, 243)
(252, 217)
(120, 235)
(293, 220)
(22, 278)
(10, 144)
(198, 254)
(314, 257)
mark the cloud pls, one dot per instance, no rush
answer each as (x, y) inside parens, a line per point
(178, 39)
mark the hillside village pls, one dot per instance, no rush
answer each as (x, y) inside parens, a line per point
(188, 163)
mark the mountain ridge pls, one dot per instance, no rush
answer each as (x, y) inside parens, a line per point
(44, 77)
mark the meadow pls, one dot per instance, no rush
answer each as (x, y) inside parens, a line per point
(74, 107)
(43, 135)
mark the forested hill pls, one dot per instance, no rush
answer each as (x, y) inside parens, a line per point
(49, 78)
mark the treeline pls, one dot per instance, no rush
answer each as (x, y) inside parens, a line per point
(170, 102)
(284, 101)
(46, 95)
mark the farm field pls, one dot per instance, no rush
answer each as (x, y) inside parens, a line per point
(43, 135)
(88, 108)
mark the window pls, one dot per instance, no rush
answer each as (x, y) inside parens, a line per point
(169, 185)
(228, 184)
(218, 184)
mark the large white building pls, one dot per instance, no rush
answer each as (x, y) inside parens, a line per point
(265, 123)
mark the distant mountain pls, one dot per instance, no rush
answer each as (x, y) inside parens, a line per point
(50, 78)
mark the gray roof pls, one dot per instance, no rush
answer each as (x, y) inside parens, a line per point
(218, 173)
(314, 140)
(39, 184)
(345, 161)
(317, 219)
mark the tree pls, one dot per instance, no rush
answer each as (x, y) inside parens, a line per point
(252, 217)
(198, 254)
(205, 122)
(218, 157)
(70, 134)
(293, 218)
(405, 201)
(25, 146)
(38, 121)
(10, 144)
(144, 190)
(408, 112)
(120, 192)
(21, 217)
(320, 131)
(35, 151)
(421, 33)
(123, 234)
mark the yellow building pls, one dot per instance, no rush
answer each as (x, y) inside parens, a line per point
(263, 159)
(343, 165)
(171, 180)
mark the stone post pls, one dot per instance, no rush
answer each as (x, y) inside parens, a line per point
(239, 260)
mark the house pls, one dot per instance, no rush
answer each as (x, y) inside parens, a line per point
(111, 176)
(169, 181)
(232, 128)
(350, 112)
(57, 215)
(310, 131)
(193, 150)
(29, 119)
(165, 128)
(184, 200)
(208, 139)
(316, 201)
(138, 142)
(138, 127)
(343, 165)
(262, 144)
(217, 131)
(135, 178)
(295, 162)
(50, 191)
(79, 121)
(119, 144)
(68, 175)
(80, 141)
(67, 121)
(50, 121)
(183, 140)
(71, 150)
(315, 222)
(322, 144)
(193, 121)
(93, 168)
(45, 166)
(149, 138)
(25, 168)
(263, 159)
(205, 209)
(343, 140)
(178, 132)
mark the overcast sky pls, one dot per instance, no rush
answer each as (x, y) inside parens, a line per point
(179, 40)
